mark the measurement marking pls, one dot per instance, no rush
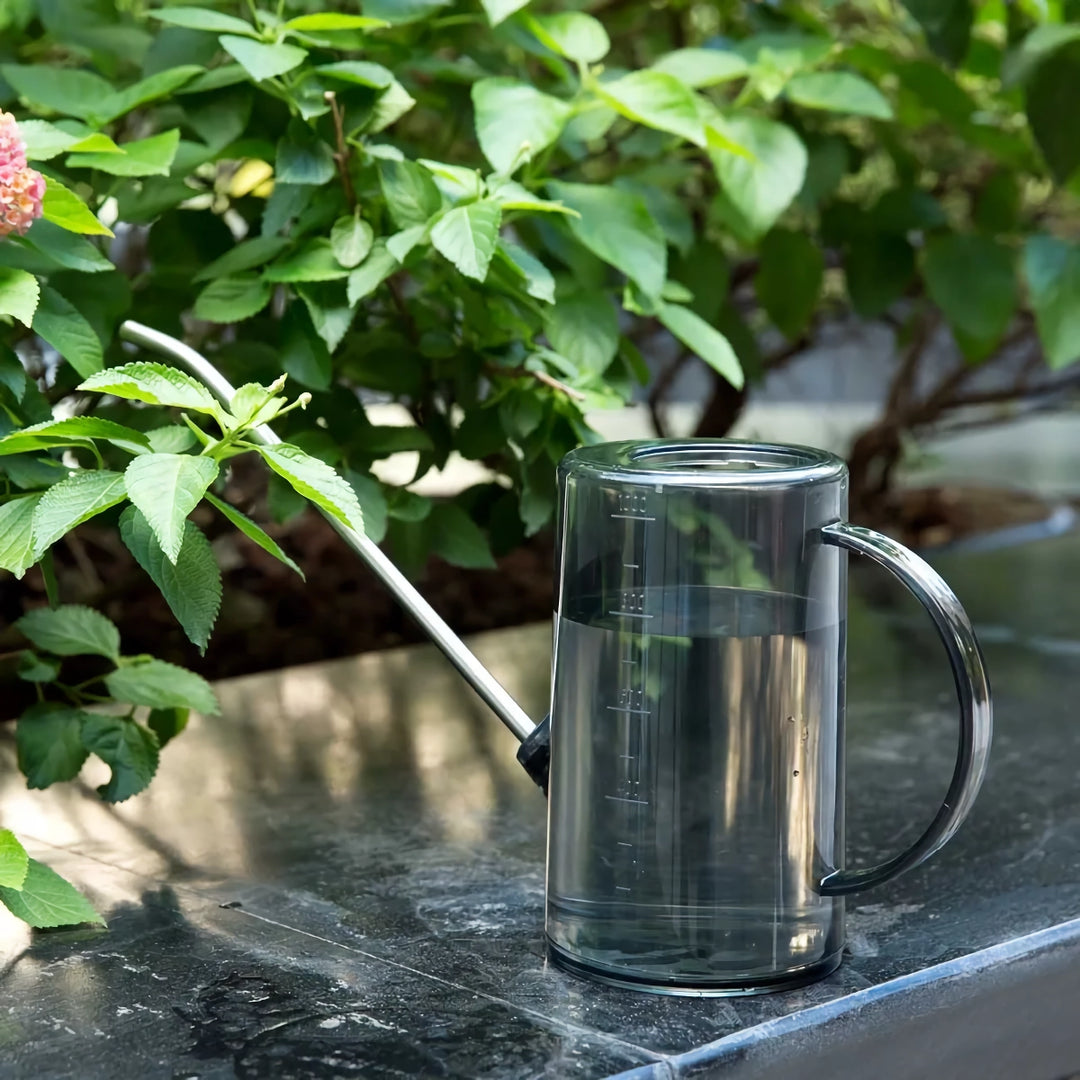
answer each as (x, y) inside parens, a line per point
(628, 757)
(629, 661)
(631, 566)
(619, 798)
(622, 888)
(630, 614)
(633, 517)
(627, 709)
(623, 843)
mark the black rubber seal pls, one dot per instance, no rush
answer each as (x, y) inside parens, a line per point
(535, 753)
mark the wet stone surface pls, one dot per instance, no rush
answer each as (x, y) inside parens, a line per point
(343, 874)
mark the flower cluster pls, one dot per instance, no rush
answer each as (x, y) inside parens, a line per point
(21, 188)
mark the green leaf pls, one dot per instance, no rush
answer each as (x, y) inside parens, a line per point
(315, 261)
(166, 488)
(262, 61)
(401, 243)
(703, 67)
(998, 204)
(572, 34)
(303, 158)
(333, 20)
(511, 114)
(65, 90)
(698, 336)
(839, 91)
(761, 187)
(166, 724)
(879, 268)
(498, 10)
(616, 226)
(315, 480)
(788, 283)
(947, 25)
(156, 384)
(197, 18)
(83, 495)
(1052, 93)
(510, 195)
(233, 299)
(392, 104)
(403, 11)
(1052, 271)
(371, 273)
(43, 141)
(538, 278)
(583, 327)
(71, 630)
(330, 314)
(64, 208)
(129, 749)
(74, 429)
(158, 85)
(170, 439)
(245, 256)
(14, 861)
(191, 585)
(972, 279)
(19, 293)
(304, 355)
(253, 532)
(1018, 66)
(458, 539)
(657, 100)
(372, 502)
(37, 669)
(48, 739)
(161, 686)
(64, 328)
(17, 534)
(144, 157)
(350, 240)
(357, 72)
(410, 193)
(72, 252)
(47, 900)
(467, 236)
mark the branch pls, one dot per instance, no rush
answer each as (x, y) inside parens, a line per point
(660, 389)
(539, 376)
(341, 155)
(904, 381)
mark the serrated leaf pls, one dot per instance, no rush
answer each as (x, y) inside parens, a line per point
(48, 739)
(973, 280)
(170, 439)
(351, 239)
(74, 429)
(315, 261)
(303, 158)
(129, 749)
(65, 209)
(166, 488)
(191, 586)
(245, 256)
(511, 195)
(839, 91)
(17, 534)
(156, 384)
(330, 315)
(572, 34)
(392, 104)
(166, 724)
(410, 193)
(161, 685)
(304, 355)
(47, 900)
(80, 497)
(66, 249)
(456, 538)
(539, 281)
(401, 243)
(232, 299)
(43, 141)
(708, 343)
(703, 67)
(197, 18)
(143, 157)
(357, 72)
(616, 226)
(1052, 271)
(58, 322)
(37, 669)
(71, 630)
(253, 532)
(69, 91)
(262, 61)
(657, 100)
(19, 293)
(583, 327)
(14, 861)
(153, 87)
(467, 236)
(371, 273)
(315, 480)
(510, 114)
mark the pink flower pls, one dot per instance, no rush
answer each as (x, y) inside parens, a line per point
(21, 188)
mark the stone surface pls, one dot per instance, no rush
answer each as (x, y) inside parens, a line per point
(343, 874)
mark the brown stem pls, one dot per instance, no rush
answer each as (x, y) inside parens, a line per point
(342, 154)
(394, 285)
(660, 389)
(539, 376)
(903, 383)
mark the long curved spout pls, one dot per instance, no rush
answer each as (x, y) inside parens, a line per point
(479, 678)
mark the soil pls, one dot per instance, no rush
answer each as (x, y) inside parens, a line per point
(270, 618)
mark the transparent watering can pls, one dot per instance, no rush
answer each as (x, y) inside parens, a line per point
(694, 753)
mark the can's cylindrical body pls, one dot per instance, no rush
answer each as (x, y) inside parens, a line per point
(696, 795)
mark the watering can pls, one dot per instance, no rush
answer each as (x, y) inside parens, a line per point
(693, 757)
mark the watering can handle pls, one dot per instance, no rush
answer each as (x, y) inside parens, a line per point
(479, 678)
(972, 688)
